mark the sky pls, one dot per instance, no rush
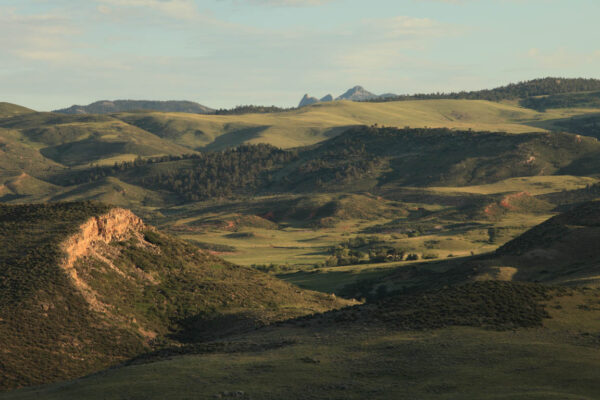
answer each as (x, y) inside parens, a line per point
(224, 53)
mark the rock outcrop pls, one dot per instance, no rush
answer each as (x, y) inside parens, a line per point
(93, 240)
(116, 225)
(307, 100)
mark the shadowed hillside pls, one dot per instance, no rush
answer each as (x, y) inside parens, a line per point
(563, 249)
(460, 342)
(84, 286)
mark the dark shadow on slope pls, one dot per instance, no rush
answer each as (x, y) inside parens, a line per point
(234, 138)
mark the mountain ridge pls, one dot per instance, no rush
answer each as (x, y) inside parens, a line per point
(115, 106)
(356, 93)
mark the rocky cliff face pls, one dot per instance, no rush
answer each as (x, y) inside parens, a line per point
(116, 225)
(93, 240)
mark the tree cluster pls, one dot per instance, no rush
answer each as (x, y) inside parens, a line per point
(251, 109)
(365, 250)
(240, 170)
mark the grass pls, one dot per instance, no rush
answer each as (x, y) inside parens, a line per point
(81, 140)
(464, 207)
(10, 110)
(534, 185)
(352, 360)
(316, 123)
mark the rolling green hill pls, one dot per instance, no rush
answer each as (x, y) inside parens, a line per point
(361, 159)
(80, 140)
(9, 110)
(318, 122)
(84, 286)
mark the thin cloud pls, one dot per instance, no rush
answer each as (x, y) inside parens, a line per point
(286, 3)
(178, 9)
(45, 37)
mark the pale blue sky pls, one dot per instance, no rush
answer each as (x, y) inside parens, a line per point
(222, 53)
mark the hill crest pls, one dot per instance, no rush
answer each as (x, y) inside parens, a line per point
(108, 106)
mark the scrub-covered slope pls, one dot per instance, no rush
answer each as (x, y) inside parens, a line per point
(83, 286)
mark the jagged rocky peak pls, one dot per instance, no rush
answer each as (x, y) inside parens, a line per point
(357, 93)
(307, 100)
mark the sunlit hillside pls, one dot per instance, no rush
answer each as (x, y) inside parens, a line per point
(318, 122)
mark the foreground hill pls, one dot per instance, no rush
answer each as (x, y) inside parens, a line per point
(107, 107)
(84, 286)
(488, 340)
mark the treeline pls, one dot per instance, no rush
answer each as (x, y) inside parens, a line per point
(251, 109)
(566, 100)
(521, 90)
(342, 163)
(240, 170)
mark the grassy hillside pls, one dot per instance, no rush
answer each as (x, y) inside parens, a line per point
(85, 286)
(316, 123)
(445, 344)
(388, 157)
(80, 140)
(360, 159)
(49, 140)
(9, 110)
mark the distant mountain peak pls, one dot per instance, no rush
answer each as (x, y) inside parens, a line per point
(356, 93)
(307, 100)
